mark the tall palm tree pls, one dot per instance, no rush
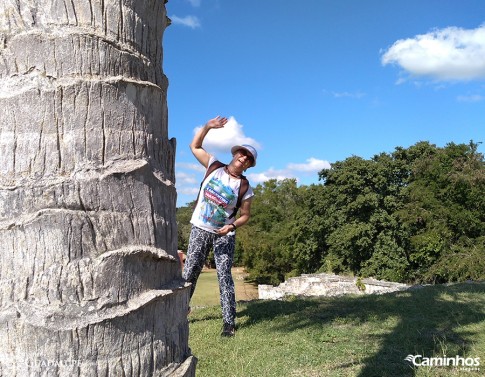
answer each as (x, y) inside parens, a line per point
(89, 280)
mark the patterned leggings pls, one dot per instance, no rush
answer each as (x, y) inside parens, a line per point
(200, 243)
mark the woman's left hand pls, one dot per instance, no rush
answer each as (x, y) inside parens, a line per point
(225, 229)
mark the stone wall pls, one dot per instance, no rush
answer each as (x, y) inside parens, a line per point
(327, 285)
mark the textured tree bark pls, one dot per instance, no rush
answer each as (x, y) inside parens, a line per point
(90, 283)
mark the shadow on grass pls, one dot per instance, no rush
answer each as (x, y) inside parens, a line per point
(428, 322)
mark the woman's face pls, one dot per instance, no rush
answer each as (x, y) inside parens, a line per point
(244, 158)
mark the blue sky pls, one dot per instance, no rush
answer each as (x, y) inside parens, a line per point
(312, 82)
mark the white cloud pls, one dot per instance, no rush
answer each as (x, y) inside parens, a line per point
(255, 178)
(352, 95)
(444, 54)
(471, 98)
(222, 139)
(185, 178)
(191, 166)
(312, 166)
(188, 182)
(195, 3)
(189, 175)
(189, 21)
(188, 190)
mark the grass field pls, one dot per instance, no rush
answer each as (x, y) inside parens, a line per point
(364, 336)
(207, 290)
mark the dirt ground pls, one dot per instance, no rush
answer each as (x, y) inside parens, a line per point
(244, 290)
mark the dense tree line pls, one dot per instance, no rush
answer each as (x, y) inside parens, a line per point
(414, 215)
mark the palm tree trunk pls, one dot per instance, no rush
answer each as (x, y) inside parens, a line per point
(90, 282)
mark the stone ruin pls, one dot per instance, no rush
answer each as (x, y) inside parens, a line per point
(327, 285)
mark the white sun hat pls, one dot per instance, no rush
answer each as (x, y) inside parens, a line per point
(248, 148)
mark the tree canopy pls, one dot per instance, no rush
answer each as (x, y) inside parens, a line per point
(414, 215)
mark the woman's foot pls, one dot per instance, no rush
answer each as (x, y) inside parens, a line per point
(228, 330)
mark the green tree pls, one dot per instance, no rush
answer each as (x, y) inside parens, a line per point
(416, 214)
(267, 241)
(445, 213)
(363, 236)
(184, 214)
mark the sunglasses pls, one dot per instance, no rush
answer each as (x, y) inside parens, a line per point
(246, 154)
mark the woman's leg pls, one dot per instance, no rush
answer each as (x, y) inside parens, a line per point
(200, 242)
(224, 255)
